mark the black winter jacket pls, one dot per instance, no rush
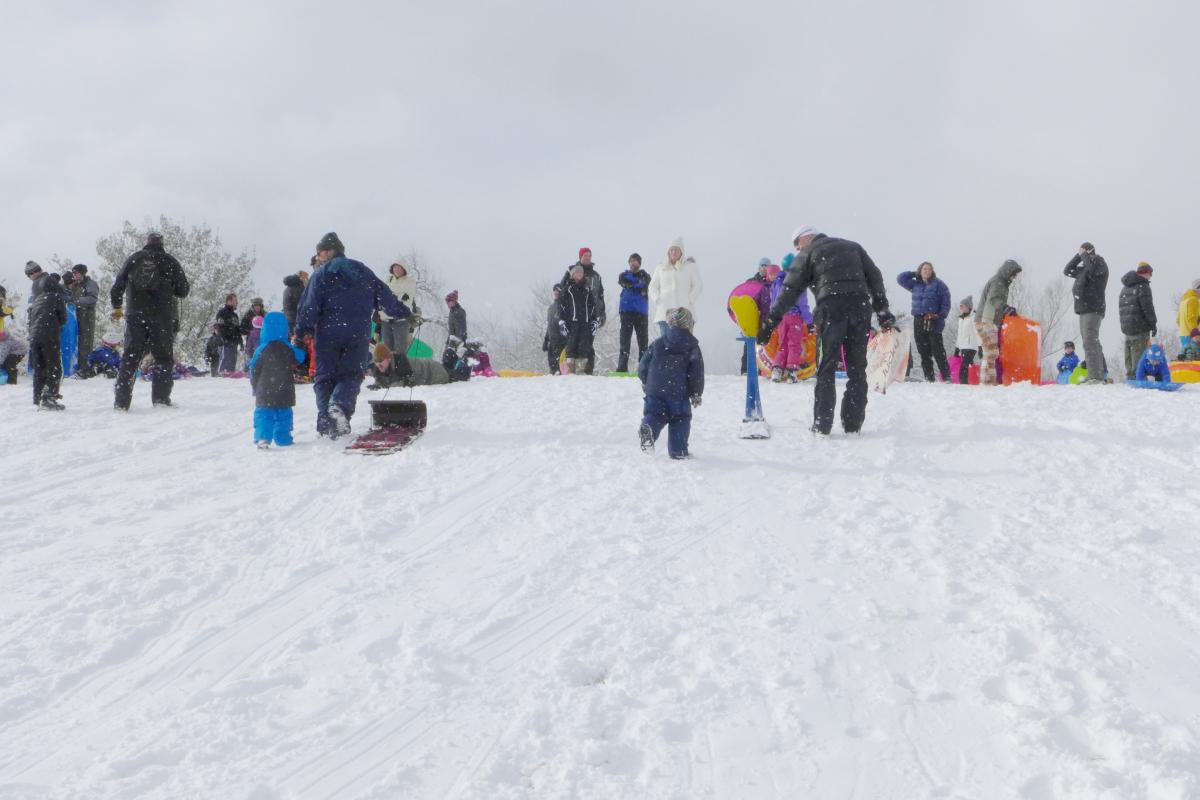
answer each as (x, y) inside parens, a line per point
(577, 304)
(591, 279)
(272, 376)
(229, 327)
(148, 284)
(247, 323)
(47, 309)
(673, 369)
(1091, 280)
(831, 267)
(291, 297)
(1136, 306)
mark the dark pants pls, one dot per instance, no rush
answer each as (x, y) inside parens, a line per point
(964, 368)
(931, 348)
(676, 415)
(45, 359)
(554, 348)
(579, 340)
(843, 323)
(340, 365)
(273, 424)
(10, 367)
(228, 359)
(158, 337)
(86, 317)
(632, 322)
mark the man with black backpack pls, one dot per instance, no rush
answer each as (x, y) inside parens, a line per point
(148, 284)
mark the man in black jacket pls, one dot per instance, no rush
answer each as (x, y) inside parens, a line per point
(1090, 272)
(148, 286)
(47, 315)
(847, 285)
(1139, 323)
(229, 328)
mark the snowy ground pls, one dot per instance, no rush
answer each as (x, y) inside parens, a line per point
(990, 594)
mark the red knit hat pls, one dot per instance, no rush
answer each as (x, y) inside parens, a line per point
(583, 250)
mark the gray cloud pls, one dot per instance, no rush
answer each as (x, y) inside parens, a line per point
(499, 138)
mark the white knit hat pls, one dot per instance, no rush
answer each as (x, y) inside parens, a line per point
(676, 242)
(804, 230)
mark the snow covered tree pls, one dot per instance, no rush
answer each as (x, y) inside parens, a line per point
(212, 271)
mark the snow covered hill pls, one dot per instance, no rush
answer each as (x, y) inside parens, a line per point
(990, 594)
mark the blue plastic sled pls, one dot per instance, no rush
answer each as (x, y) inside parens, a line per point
(1162, 387)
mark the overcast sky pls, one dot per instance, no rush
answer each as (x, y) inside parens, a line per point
(498, 138)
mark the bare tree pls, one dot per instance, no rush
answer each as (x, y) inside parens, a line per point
(212, 272)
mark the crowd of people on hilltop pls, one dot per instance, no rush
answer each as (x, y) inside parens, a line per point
(340, 323)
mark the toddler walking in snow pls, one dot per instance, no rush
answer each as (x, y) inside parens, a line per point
(672, 375)
(271, 378)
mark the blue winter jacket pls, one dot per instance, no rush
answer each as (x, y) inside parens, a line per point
(927, 298)
(800, 306)
(340, 299)
(673, 369)
(104, 356)
(274, 329)
(634, 286)
(1067, 363)
(1153, 365)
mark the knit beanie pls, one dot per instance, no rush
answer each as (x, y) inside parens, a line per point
(256, 301)
(676, 242)
(381, 353)
(1144, 269)
(680, 318)
(80, 268)
(764, 262)
(804, 230)
(583, 250)
(968, 301)
(1069, 344)
(32, 267)
(452, 296)
(330, 241)
(786, 262)
(1091, 248)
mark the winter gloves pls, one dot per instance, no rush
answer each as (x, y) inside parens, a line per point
(695, 400)
(766, 329)
(887, 320)
(596, 326)
(562, 327)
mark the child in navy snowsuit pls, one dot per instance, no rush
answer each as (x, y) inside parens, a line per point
(271, 378)
(672, 375)
(1153, 365)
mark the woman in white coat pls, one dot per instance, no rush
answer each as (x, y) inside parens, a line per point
(394, 332)
(676, 284)
(967, 343)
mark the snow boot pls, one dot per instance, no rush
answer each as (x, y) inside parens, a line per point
(263, 444)
(163, 403)
(337, 417)
(776, 375)
(817, 431)
(646, 436)
(50, 403)
(791, 376)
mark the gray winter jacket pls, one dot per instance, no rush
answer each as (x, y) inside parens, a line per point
(85, 293)
(456, 322)
(994, 299)
(427, 372)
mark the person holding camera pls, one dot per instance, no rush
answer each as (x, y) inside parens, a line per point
(1090, 272)
(848, 286)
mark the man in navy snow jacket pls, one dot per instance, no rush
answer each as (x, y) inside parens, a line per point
(336, 312)
(672, 375)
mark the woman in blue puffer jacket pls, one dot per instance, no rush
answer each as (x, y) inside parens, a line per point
(930, 307)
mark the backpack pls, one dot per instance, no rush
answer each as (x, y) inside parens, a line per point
(144, 274)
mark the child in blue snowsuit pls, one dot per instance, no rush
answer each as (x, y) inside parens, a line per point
(271, 369)
(672, 375)
(1067, 364)
(1153, 365)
